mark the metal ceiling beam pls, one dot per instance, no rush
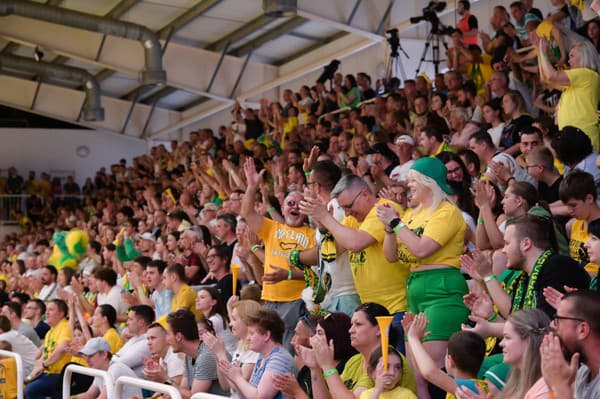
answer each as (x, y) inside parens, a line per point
(162, 93)
(266, 37)
(313, 47)
(240, 33)
(192, 104)
(187, 16)
(339, 25)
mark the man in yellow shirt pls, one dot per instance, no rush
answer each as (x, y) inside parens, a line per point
(362, 234)
(185, 296)
(282, 286)
(53, 355)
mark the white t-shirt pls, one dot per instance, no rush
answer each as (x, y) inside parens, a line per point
(400, 172)
(342, 282)
(132, 354)
(23, 346)
(113, 297)
(116, 370)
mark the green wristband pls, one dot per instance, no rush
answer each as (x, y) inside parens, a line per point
(290, 274)
(480, 221)
(271, 209)
(254, 248)
(398, 227)
(545, 58)
(489, 278)
(493, 317)
(307, 174)
(327, 373)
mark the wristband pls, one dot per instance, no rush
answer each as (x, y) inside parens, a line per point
(395, 222)
(327, 373)
(254, 248)
(489, 278)
(168, 382)
(480, 221)
(307, 174)
(289, 274)
(399, 227)
(493, 317)
(271, 209)
(545, 58)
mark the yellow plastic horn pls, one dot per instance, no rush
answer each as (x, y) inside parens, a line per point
(170, 194)
(384, 325)
(235, 270)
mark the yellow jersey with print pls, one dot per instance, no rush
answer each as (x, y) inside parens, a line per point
(356, 376)
(579, 236)
(445, 225)
(376, 279)
(8, 378)
(57, 334)
(280, 239)
(114, 340)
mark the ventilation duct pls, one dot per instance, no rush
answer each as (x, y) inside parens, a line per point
(153, 72)
(280, 8)
(92, 109)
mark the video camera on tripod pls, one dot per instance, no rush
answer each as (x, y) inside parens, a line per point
(430, 15)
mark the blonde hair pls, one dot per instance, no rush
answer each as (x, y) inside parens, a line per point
(533, 325)
(247, 309)
(438, 195)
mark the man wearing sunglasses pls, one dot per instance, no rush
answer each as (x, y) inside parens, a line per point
(282, 286)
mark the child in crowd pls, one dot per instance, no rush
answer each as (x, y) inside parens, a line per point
(466, 351)
(387, 383)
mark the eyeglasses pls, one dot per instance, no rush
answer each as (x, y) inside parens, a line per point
(452, 171)
(309, 324)
(557, 318)
(292, 203)
(351, 205)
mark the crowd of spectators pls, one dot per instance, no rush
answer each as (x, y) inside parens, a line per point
(254, 261)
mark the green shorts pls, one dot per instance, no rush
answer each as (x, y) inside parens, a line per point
(439, 294)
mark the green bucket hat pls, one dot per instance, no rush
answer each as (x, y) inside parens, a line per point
(434, 169)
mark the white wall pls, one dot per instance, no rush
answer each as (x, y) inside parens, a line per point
(45, 150)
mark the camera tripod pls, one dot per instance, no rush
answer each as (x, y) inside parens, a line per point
(394, 65)
(433, 40)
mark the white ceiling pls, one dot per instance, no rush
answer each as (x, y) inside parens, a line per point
(193, 51)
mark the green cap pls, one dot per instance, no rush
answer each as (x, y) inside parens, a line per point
(498, 375)
(435, 169)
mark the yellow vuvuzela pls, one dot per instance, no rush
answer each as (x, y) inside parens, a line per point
(384, 325)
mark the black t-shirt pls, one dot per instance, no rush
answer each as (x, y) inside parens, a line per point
(558, 271)
(510, 133)
(254, 128)
(549, 193)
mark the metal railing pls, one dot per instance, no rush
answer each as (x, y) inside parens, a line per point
(148, 385)
(19, 362)
(11, 205)
(114, 390)
(73, 368)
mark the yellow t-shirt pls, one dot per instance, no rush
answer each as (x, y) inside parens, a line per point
(376, 279)
(579, 236)
(57, 334)
(185, 299)
(445, 225)
(579, 101)
(8, 378)
(114, 340)
(356, 376)
(280, 240)
(396, 393)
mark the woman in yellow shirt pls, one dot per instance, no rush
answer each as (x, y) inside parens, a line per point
(430, 239)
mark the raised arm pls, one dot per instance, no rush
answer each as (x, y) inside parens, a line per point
(254, 179)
